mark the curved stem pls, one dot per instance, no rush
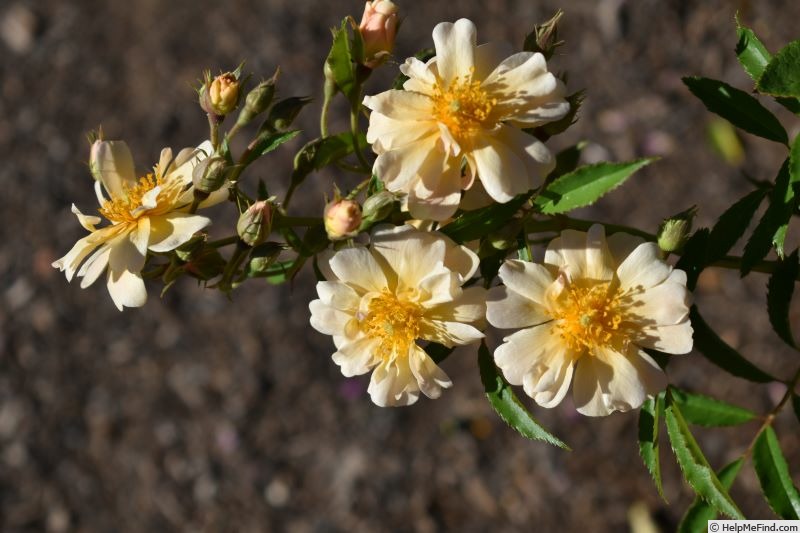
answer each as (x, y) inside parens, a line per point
(323, 117)
(791, 384)
(227, 241)
(356, 148)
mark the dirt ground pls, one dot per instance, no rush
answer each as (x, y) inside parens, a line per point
(197, 413)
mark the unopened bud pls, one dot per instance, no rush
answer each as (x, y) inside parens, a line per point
(258, 99)
(674, 231)
(220, 96)
(255, 224)
(378, 206)
(342, 219)
(209, 175)
(262, 257)
(544, 37)
(378, 30)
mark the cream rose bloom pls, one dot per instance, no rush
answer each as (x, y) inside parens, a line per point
(144, 214)
(379, 301)
(589, 310)
(466, 103)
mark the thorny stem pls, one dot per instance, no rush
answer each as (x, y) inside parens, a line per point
(791, 385)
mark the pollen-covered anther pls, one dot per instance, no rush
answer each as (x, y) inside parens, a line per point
(394, 322)
(588, 316)
(121, 208)
(464, 107)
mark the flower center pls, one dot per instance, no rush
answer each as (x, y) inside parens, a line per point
(394, 322)
(122, 208)
(588, 315)
(463, 106)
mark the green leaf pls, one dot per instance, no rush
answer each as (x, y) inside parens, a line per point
(771, 229)
(567, 160)
(506, 403)
(438, 352)
(737, 107)
(322, 152)
(649, 417)
(779, 297)
(267, 142)
(781, 77)
(585, 185)
(696, 470)
(732, 224)
(341, 64)
(283, 113)
(721, 354)
(773, 473)
(694, 257)
(699, 513)
(480, 222)
(523, 247)
(752, 54)
(705, 411)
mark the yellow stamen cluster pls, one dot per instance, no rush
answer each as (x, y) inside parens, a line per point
(588, 316)
(464, 107)
(394, 322)
(120, 208)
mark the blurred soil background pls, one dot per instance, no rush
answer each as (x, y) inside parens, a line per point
(197, 413)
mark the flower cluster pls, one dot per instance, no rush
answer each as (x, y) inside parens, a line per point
(469, 118)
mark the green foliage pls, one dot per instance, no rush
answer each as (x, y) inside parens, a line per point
(781, 77)
(771, 229)
(262, 258)
(697, 516)
(585, 185)
(506, 403)
(283, 112)
(773, 474)
(696, 470)
(650, 415)
(341, 64)
(267, 142)
(796, 406)
(752, 54)
(708, 343)
(695, 257)
(738, 107)
(322, 152)
(779, 297)
(438, 352)
(480, 222)
(705, 411)
(559, 126)
(566, 161)
(732, 224)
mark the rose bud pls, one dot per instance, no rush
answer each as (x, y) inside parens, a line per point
(255, 224)
(342, 219)
(220, 96)
(378, 29)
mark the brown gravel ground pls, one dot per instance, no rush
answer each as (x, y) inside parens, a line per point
(201, 414)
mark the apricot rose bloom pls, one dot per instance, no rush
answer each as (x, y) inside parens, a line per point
(147, 213)
(378, 302)
(466, 103)
(588, 312)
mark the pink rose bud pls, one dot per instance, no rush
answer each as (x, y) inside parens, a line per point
(342, 219)
(378, 30)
